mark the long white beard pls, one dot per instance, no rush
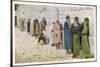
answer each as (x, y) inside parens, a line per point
(75, 24)
(69, 23)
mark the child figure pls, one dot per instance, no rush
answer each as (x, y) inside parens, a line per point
(42, 39)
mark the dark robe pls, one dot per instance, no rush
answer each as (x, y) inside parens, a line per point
(43, 38)
(75, 29)
(28, 26)
(15, 20)
(43, 26)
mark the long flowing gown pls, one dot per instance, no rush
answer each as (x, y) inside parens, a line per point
(61, 29)
(36, 29)
(67, 36)
(48, 34)
(52, 35)
(28, 26)
(85, 50)
(57, 35)
(22, 27)
(43, 26)
(19, 22)
(75, 28)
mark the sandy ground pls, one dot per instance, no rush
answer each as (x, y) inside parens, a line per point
(27, 50)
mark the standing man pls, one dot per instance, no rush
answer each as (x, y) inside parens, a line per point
(28, 25)
(85, 50)
(67, 35)
(75, 28)
(43, 24)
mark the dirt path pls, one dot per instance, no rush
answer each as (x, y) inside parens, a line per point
(27, 50)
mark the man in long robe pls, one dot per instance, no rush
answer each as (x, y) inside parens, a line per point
(16, 21)
(28, 25)
(22, 26)
(85, 50)
(52, 34)
(36, 28)
(48, 33)
(57, 35)
(19, 22)
(43, 24)
(61, 29)
(67, 35)
(75, 28)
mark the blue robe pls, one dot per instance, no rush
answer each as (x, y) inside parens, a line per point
(67, 36)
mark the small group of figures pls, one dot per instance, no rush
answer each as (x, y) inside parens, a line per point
(74, 38)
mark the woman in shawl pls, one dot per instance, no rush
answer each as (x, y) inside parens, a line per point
(67, 35)
(85, 50)
(36, 28)
(75, 28)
